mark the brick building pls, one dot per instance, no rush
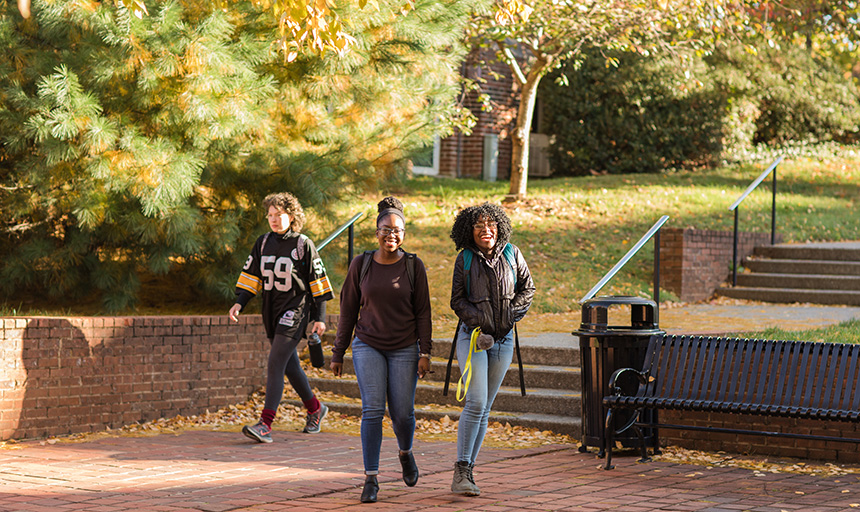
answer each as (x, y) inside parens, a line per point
(486, 152)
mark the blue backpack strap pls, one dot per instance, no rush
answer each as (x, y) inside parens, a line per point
(508, 253)
(467, 264)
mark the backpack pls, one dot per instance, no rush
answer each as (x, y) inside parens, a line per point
(507, 252)
(468, 255)
(410, 267)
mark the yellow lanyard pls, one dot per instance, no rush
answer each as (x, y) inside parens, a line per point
(467, 370)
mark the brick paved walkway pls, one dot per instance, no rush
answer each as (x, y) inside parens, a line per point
(222, 471)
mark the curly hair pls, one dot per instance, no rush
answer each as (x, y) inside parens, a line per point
(385, 206)
(461, 232)
(287, 203)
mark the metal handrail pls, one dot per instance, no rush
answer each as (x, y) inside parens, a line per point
(735, 206)
(347, 225)
(653, 232)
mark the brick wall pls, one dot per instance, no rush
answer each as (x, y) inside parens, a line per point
(67, 375)
(831, 451)
(695, 262)
(463, 155)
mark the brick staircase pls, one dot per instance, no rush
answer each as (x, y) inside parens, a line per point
(818, 273)
(552, 376)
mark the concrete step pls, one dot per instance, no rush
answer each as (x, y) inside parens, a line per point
(798, 266)
(536, 376)
(833, 251)
(568, 425)
(549, 349)
(799, 281)
(537, 400)
(792, 295)
(552, 376)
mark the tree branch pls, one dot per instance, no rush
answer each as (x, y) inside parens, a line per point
(512, 63)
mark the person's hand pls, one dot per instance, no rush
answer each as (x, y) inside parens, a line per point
(336, 368)
(234, 312)
(423, 367)
(318, 327)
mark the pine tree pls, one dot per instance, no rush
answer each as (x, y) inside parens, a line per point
(134, 147)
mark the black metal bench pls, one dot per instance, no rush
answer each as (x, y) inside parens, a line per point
(797, 379)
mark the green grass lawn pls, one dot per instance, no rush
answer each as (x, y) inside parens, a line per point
(573, 230)
(846, 332)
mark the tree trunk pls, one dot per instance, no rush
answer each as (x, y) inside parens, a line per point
(520, 138)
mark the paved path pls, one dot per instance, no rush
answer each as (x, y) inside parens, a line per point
(223, 471)
(722, 318)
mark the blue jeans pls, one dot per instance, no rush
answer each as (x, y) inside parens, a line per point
(488, 370)
(391, 375)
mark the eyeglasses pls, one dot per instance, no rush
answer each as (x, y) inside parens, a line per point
(489, 225)
(390, 231)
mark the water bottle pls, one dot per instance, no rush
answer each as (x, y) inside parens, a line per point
(316, 351)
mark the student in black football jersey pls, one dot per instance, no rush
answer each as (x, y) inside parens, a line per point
(284, 265)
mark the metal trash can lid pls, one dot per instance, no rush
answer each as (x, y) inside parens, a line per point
(595, 316)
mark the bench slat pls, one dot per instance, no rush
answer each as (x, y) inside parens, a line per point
(696, 363)
(841, 362)
(853, 376)
(687, 367)
(763, 366)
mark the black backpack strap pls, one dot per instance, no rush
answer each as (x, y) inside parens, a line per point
(410, 269)
(519, 361)
(451, 358)
(365, 265)
(410, 266)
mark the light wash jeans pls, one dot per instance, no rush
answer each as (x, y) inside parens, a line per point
(391, 375)
(488, 370)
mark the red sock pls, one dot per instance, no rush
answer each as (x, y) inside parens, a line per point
(312, 405)
(268, 417)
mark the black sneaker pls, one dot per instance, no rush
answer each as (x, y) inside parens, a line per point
(259, 432)
(312, 426)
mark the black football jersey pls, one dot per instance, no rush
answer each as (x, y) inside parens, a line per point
(287, 269)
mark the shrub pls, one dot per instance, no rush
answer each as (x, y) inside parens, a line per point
(647, 115)
(643, 116)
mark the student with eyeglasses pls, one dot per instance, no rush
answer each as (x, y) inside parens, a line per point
(489, 298)
(385, 313)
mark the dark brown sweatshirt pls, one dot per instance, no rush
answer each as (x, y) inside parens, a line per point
(383, 310)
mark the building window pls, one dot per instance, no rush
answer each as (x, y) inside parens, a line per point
(426, 160)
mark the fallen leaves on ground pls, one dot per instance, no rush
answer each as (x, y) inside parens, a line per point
(499, 435)
(760, 465)
(292, 417)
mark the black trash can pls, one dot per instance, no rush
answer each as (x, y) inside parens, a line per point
(605, 348)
